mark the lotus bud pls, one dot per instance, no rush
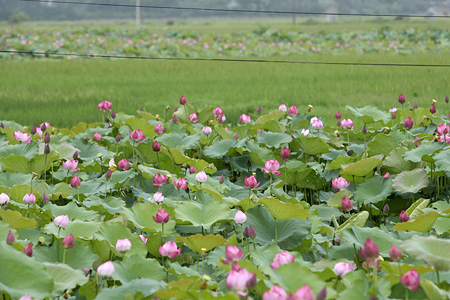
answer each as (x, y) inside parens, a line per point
(236, 135)
(404, 217)
(33, 129)
(346, 204)
(75, 182)
(258, 111)
(221, 179)
(240, 217)
(411, 280)
(249, 232)
(446, 99)
(175, 109)
(233, 253)
(338, 116)
(192, 170)
(386, 208)
(322, 294)
(4, 199)
(113, 114)
(108, 174)
(395, 253)
(106, 119)
(201, 177)
(10, 238)
(183, 100)
(2, 125)
(285, 153)
(364, 130)
(371, 249)
(338, 123)
(156, 146)
(408, 124)
(68, 241)
(29, 198)
(97, 137)
(75, 155)
(118, 138)
(47, 138)
(415, 105)
(161, 217)
(45, 198)
(123, 245)
(43, 127)
(28, 250)
(207, 130)
(175, 119)
(433, 108)
(337, 241)
(401, 99)
(106, 269)
(61, 221)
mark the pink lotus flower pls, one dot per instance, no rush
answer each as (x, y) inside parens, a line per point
(156, 146)
(68, 241)
(61, 221)
(207, 130)
(251, 182)
(285, 153)
(442, 139)
(169, 249)
(272, 166)
(97, 137)
(240, 217)
(158, 197)
(408, 124)
(70, 165)
(161, 217)
(347, 124)
(104, 106)
(245, 119)
(106, 269)
(395, 254)
(183, 100)
(180, 184)
(340, 269)
(411, 280)
(217, 112)
(282, 259)
(316, 123)
(123, 245)
(275, 293)
(303, 293)
(339, 183)
(26, 297)
(4, 199)
(433, 108)
(346, 204)
(293, 110)
(282, 107)
(159, 179)
(29, 198)
(159, 129)
(137, 135)
(28, 250)
(22, 137)
(193, 118)
(75, 182)
(401, 99)
(240, 281)
(338, 115)
(442, 129)
(221, 119)
(192, 170)
(124, 164)
(404, 217)
(305, 132)
(143, 238)
(370, 250)
(201, 177)
(233, 253)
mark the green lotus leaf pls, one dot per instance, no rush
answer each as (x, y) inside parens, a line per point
(144, 285)
(64, 277)
(110, 204)
(410, 181)
(294, 275)
(142, 214)
(374, 190)
(54, 191)
(73, 211)
(219, 149)
(425, 152)
(382, 144)
(416, 208)
(359, 220)
(422, 223)
(369, 114)
(199, 164)
(10, 179)
(442, 160)
(395, 164)
(431, 249)
(202, 215)
(16, 220)
(361, 168)
(336, 199)
(179, 140)
(272, 139)
(88, 152)
(77, 228)
(284, 210)
(273, 116)
(313, 145)
(137, 266)
(147, 129)
(358, 235)
(64, 150)
(258, 154)
(202, 243)
(432, 291)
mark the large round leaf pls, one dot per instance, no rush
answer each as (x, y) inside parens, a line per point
(395, 164)
(431, 249)
(424, 152)
(369, 114)
(284, 210)
(410, 181)
(64, 277)
(374, 190)
(202, 215)
(144, 285)
(138, 267)
(271, 139)
(202, 243)
(422, 223)
(141, 215)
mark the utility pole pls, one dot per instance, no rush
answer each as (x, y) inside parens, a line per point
(294, 8)
(138, 13)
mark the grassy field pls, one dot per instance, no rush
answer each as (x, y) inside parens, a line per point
(67, 92)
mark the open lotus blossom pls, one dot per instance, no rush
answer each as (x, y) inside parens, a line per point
(159, 179)
(70, 165)
(340, 269)
(282, 107)
(193, 118)
(161, 217)
(123, 245)
(29, 198)
(444, 139)
(22, 137)
(169, 249)
(245, 119)
(104, 106)
(217, 112)
(394, 109)
(411, 280)
(303, 293)
(272, 166)
(61, 221)
(275, 293)
(221, 119)
(207, 130)
(442, 129)
(124, 164)
(316, 123)
(180, 184)
(240, 281)
(339, 183)
(293, 110)
(233, 253)
(159, 129)
(106, 269)
(4, 199)
(137, 135)
(251, 182)
(347, 124)
(158, 198)
(282, 259)
(305, 132)
(240, 217)
(201, 177)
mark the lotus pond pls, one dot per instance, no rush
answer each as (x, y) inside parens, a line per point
(189, 206)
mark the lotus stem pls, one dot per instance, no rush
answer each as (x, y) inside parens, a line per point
(162, 234)
(438, 278)
(64, 255)
(276, 232)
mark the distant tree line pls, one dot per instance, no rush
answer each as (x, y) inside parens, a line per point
(43, 11)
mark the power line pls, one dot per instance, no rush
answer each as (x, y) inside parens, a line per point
(241, 10)
(224, 59)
